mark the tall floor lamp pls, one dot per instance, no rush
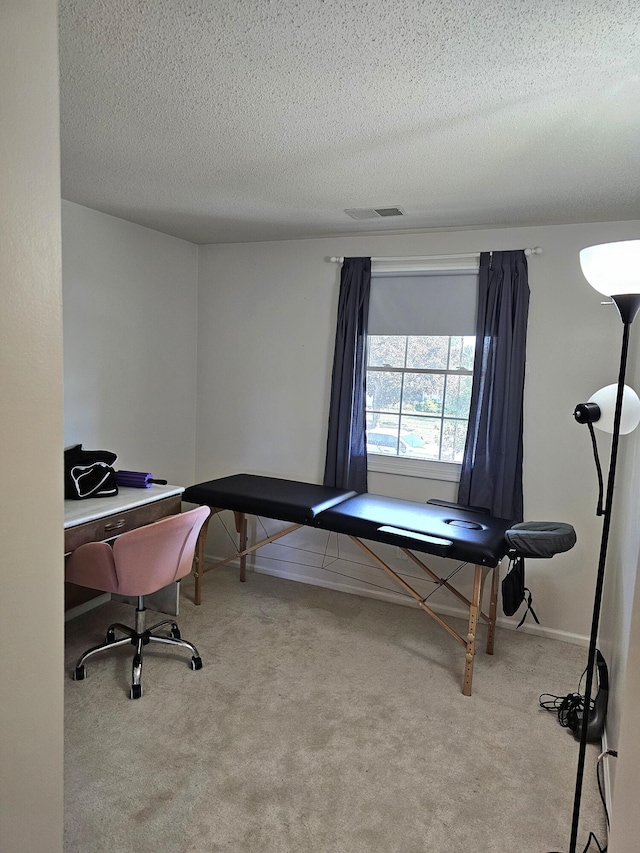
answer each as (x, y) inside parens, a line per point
(614, 270)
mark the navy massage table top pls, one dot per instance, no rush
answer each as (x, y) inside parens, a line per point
(448, 531)
(445, 530)
(286, 500)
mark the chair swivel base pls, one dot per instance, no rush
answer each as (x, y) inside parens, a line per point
(138, 637)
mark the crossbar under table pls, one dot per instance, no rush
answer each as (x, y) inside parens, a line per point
(473, 605)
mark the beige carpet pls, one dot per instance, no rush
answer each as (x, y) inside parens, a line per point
(321, 723)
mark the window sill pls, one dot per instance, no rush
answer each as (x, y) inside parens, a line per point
(426, 468)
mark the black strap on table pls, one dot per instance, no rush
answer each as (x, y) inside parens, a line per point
(528, 599)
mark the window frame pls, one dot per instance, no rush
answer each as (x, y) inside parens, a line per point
(431, 469)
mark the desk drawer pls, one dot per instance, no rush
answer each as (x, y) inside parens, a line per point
(114, 525)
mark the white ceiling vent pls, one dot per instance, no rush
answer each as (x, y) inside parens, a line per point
(373, 212)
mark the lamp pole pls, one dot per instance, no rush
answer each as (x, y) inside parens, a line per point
(628, 306)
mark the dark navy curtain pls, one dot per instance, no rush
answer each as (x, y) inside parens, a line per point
(492, 463)
(346, 460)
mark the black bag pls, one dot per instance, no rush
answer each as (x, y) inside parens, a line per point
(514, 592)
(89, 473)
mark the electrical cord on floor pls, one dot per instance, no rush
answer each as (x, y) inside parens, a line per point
(588, 848)
(569, 710)
(601, 757)
(592, 839)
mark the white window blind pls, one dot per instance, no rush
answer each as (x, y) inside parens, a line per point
(423, 303)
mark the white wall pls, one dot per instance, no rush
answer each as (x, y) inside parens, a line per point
(266, 328)
(31, 557)
(621, 602)
(130, 322)
(625, 819)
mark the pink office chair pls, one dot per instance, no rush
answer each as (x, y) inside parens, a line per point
(139, 562)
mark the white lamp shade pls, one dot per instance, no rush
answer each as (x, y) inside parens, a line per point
(612, 268)
(605, 399)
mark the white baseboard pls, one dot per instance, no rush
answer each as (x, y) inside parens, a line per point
(606, 773)
(356, 588)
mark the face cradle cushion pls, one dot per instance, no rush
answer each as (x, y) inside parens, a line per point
(540, 538)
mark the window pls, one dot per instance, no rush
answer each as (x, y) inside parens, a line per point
(418, 395)
(420, 354)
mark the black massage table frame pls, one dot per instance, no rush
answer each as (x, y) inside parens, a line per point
(472, 536)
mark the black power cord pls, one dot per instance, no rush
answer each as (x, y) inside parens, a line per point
(569, 710)
(597, 849)
(594, 443)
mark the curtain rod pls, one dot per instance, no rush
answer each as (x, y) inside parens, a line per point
(338, 260)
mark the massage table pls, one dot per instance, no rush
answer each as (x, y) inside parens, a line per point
(437, 527)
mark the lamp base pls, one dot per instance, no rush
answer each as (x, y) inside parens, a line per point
(596, 716)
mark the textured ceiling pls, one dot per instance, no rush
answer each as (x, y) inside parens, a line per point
(236, 120)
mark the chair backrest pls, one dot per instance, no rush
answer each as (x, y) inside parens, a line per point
(151, 557)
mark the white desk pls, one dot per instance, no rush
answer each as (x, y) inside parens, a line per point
(103, 519)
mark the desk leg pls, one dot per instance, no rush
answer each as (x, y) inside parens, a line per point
(474, 609)
(241, 527)
(493, 609)
(198, 562)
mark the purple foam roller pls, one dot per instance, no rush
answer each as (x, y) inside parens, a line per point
(137, 479)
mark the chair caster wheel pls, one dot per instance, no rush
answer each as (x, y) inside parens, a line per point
(175, 633)
(196, 663)
(135, 691)
(111, 636)
(80, 673)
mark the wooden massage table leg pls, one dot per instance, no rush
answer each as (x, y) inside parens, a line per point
(474, 610)
(240, 553)
(241, 528)
(490, 619)
(198, 561)
(480, 572)
(493, 609)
